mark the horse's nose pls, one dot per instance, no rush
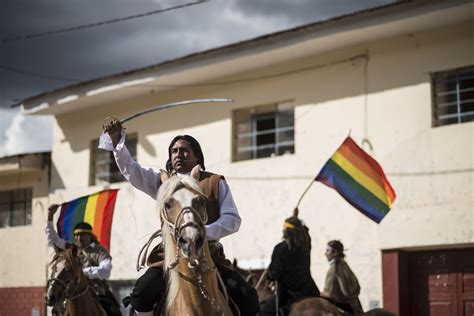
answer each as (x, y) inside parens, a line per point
(199, 242)
(191, 244)
(49, 300)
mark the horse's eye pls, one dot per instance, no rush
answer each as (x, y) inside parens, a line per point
(199, 202)
(167, 206)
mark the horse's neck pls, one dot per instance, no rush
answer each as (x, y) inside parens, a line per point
(86, 304)
(185, 286)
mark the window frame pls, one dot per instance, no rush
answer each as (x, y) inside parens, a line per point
(252, 116)
(443, 78)
(108, 176)
(26, 202)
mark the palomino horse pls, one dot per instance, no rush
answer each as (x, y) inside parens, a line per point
(193, 280)
(68, 292)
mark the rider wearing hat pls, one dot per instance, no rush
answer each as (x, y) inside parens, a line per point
(96, 260)
(290, 267)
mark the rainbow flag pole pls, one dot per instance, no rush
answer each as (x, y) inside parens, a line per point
(96, 209)
(359, 179)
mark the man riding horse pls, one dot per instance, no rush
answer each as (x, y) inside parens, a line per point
(96, 260)
(290, 267)
(184, 153)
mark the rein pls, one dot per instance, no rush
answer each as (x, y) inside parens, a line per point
(178, 225)
(197, 267)
(66, 293)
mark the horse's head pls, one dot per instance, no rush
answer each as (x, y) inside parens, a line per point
(183, 210)
(66, 273)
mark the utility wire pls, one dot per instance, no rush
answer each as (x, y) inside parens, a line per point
(30, 73)
(81, 27)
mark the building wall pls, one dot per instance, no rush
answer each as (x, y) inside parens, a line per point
(385, 98)
(23, 248)
(22, 301)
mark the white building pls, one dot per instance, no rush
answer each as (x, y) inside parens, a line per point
(400, 78)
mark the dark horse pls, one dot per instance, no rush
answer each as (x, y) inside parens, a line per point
(311, 306)
(67, 290)
(314, 306)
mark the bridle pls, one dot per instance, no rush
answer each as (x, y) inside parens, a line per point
(196, 266)
(178, 225)
(68, 291)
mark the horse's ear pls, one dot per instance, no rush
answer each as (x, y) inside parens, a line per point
(164, 175)
(57, 249)
(195, 173)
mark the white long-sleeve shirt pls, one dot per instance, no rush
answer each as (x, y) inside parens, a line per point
(102, 271)
(148, 181)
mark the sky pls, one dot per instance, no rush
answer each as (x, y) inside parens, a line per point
(47, 44)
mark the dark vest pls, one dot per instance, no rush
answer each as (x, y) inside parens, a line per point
(209, 183)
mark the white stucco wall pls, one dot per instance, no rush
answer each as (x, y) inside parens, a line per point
(23, 252)
(431, 169)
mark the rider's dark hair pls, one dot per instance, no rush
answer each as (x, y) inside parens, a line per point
(84, 225)
(193, 143)
(338, 246)
(297, 236)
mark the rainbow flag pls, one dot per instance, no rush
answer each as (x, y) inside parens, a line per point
(96, 209)
(359, 179)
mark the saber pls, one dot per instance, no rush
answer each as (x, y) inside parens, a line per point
(171, 105)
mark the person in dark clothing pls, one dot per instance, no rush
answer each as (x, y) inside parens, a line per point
(290, 267)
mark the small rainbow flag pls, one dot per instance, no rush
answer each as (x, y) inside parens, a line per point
(96, 209)
(359, 179)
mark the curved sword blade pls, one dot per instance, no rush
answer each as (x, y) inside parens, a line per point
(171, 105)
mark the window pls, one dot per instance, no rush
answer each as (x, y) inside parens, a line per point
(103, 166)
(15, 207)
(453, 95)
(264, 131)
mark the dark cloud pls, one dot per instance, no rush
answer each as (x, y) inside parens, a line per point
(103, 50)
(302, 11)
(112, 48)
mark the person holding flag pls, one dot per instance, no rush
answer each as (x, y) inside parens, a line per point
(96, 260)
(290, 266)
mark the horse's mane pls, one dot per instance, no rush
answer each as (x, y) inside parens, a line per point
(69, 255)
(169, 186)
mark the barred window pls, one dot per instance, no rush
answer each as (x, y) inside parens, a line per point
(15, 207)
(263, 131)
(453, 96)
(103, 167)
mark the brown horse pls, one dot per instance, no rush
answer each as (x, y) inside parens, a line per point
(193, 282)
(68, 292)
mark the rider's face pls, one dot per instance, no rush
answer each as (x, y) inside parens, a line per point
(330, 253)
(83, 239)
(183, 158)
